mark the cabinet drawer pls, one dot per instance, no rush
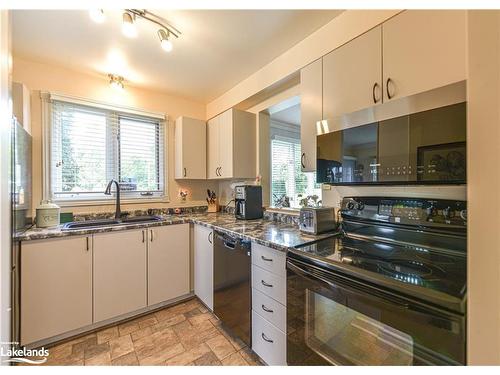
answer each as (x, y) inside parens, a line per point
(269, 259)
(268, 308)
(270, 284)
(268, 341)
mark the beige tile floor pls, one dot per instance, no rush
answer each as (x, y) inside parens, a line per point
(184, 334)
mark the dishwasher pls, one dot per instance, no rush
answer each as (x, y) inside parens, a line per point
(232, 284)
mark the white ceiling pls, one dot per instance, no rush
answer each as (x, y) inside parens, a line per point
(217, 48)
(290, 115)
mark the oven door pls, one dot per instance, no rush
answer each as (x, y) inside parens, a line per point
(333, 320)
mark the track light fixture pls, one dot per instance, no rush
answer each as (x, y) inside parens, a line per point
(116, 81)
(165, 33)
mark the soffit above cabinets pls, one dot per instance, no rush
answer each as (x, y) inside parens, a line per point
(216, 50)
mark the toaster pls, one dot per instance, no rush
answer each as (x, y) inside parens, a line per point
(317, 220)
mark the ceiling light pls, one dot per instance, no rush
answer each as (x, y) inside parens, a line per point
(166, 44)
(116, 82)
(128, 26)
(97, 15)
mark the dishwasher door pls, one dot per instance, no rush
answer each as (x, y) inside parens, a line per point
(232, 284)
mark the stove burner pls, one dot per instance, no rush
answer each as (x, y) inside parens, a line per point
(407, 267)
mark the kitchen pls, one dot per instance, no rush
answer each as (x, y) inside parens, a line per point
(318, 209)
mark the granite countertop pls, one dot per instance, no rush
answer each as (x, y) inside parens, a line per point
(269, 233)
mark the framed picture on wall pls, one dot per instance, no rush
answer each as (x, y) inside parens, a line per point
(442, 162)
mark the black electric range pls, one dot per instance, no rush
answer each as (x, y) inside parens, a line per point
(397, 270)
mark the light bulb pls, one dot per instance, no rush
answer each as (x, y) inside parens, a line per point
(166, 44)
(128, 27)
(97, 15)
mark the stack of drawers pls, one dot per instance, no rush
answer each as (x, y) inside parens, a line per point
(269, 304)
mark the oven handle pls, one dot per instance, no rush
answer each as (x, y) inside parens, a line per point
(315, 277)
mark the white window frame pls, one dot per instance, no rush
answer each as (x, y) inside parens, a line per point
(46, 99)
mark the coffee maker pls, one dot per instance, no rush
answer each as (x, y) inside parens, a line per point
(248, 202)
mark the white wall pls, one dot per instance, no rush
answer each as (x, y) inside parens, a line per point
(5, 234)
(483, 168)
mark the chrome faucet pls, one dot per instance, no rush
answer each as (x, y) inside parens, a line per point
(118, 212)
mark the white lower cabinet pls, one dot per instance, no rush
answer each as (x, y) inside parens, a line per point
(268, 341)
(270, 309)
(56, 287)
(269, 304)
(269, 283)
(204, 265)
(168, 262)
(119, 273)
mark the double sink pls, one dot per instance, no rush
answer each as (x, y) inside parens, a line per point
(92, 224)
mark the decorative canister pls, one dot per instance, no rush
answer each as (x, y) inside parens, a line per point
(47, 214)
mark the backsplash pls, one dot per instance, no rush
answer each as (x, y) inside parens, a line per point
(282, 217)
(150, 211)
(331, 197)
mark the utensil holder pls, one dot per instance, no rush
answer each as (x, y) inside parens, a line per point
(213, 207)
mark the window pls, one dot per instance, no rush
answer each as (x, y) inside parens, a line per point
(286, 175)
(90, 145)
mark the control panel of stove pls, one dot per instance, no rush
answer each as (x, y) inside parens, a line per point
(413, 211)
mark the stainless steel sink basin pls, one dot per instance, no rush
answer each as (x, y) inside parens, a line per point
(140, 219)
(90, 224)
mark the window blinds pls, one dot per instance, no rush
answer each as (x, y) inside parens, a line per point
(90, 146)
(286, 175)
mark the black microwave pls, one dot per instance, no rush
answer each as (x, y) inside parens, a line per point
(427, 147)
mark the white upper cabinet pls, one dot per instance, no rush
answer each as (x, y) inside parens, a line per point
(311, 111)
(352, 75)
(423, 50)
(190, 148)
(231, 145)
(213, 148)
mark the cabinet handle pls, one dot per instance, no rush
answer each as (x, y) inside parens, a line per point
(88, 246)
(266, 339)
(266, 284)
(387, 88)
(151, 232)
(210, 237)
(266, 309)
(220, 173)
(302, 158)
(266, 259)
(217, 171)
(375, 86)
(143, 236)
(185, 172)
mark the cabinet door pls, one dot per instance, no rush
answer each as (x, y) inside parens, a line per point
(311, 111)
(423, 50)
(352, 75)
(226, 143)
(168, 262)
(190, 148)
(56, 287)
(213, 148)
(119, 273)
(204, 265)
